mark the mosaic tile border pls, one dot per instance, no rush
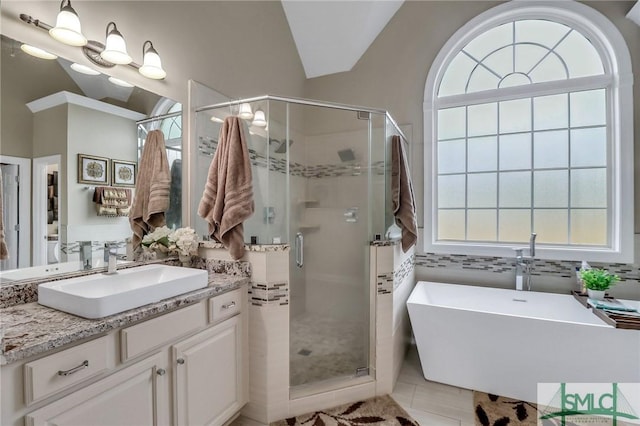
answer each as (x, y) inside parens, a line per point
(207, 146)
(558, 268)
(248, 247)
(403, 271)
(385, 283)
(384, 243)
(96, 246)
(270, 294)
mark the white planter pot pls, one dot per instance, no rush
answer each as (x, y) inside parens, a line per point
(596, 294)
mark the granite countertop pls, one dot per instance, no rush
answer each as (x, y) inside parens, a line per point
(31, 329)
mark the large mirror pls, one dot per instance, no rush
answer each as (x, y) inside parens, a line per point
(70, 143)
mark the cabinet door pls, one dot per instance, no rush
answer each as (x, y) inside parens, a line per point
(136, 395)
(208, 375)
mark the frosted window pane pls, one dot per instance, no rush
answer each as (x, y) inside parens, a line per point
(539, 31)
(551, 188)
(451, 191)
(513, 80)
(589, 147)
(527, 55)
(481, 225)
(483, 154)
(515, 116)
(551, 226)
(550, 69)
(483, 119)
(589, 188)
(514, 225)
(481, 79)
(483, 191)
(589, 227)
(550, 112)
(456, 76)
(451, 123)
(490, 40)
(581, 57)
(451, 224)
(515, 152)
(551, 149)
(588, 108)
(501, 61)
(515, 189)
(451, 156)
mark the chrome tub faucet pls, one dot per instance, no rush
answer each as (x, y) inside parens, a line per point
(524, 264)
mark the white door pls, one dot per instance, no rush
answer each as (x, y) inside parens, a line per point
(10, 214)
(208, 375)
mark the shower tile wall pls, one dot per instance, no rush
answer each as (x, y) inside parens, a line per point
(394, 273)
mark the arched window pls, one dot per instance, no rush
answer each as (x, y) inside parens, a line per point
(528, 110)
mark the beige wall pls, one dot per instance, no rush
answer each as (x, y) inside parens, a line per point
(393, 72)
(240, 48)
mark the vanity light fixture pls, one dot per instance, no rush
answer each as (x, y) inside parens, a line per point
(83, 69)
(119, 82)
(37, 52)
(151, 64)
(68, 29)
(245, 112)
(259, 119)
(115, 49)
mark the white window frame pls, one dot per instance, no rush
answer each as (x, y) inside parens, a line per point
(610, 44)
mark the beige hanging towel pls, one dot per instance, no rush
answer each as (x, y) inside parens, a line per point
(404, 203)
(4, 251)
(227, 200)
(151, 197)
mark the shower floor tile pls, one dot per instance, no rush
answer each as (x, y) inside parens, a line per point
(324, 348)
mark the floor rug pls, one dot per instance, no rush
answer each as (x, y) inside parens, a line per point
(381, 410)
(493, 410)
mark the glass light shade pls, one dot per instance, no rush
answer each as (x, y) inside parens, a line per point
(83, 69)
(259, 119)
(115, 50)
(67, 29)
(152, 66)
(37, 52)
(245, 112)
(119, 82)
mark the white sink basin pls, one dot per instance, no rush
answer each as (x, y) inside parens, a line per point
(100, 295)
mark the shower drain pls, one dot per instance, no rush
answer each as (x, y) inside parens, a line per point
(304, 352)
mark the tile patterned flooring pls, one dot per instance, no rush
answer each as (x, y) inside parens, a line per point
(429, 403)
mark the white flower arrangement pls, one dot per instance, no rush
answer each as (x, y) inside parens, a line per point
(183, 241)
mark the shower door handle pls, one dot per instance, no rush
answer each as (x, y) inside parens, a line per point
(299, 247)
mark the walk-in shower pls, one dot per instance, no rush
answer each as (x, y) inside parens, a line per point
(321, 178)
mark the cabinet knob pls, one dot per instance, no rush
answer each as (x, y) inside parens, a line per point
(180, 361)
(161, 372)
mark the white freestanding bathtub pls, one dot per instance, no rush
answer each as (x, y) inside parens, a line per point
(506, 342)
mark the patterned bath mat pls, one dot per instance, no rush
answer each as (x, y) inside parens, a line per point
(493, 410)
(381, 410)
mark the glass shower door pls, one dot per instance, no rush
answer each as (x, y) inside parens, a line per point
(328, 155)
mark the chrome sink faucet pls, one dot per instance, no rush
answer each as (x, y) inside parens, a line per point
(110, 258)
(85, 254)
(524, 264)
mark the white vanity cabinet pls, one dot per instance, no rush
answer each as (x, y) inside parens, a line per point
(186, 367)
(136, 395)
(199, 397)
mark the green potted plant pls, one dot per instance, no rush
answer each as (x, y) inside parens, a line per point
(597, 281)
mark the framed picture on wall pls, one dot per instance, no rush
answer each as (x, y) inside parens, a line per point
(124, 173)
(93, 170)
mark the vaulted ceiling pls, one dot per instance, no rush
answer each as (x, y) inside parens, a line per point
(331, 36)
